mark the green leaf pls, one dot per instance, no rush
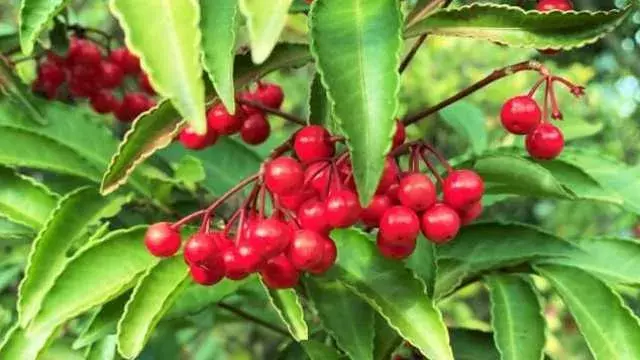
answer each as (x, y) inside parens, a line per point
(386, 339)
(24, 200)
(516, 317)
(423, 263)
(111, 266)
(357, 45)
(64, 227)
(151, 298)
(19, 93)
(287, 304)
(219, 24)
(392, 291)
(104, 349)
(610, 328)
(34, 15)
(513, 26)
(319, 351)
(467, 120)
(348, 319)
(265, 21)
(172, 32)
(577, 128)
(103, 322)
(473, 345)
(11, 231)
(196, 298)
(25, 344)
(320, 106)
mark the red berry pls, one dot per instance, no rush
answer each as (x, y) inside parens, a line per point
(342, 208)
(305, 251)
(396, 252)
(295, 199)
(399, 226)
(470, 213)
(103, 102)
(279, 273)
(88, 73)
(389, 175)
(205, 276)
(392, 191)
(372, 214)
(283, 175)
(549, 5)
(162, 240)
(520, 115)
(317, 176)
(133, 104)
(329, 254)
(110, 74)
(440, 223)
(247, 109)
(224, 123)
(240, 262)
(192, 140)
(270, 95)
(126, 60)
(462, 188)
(255, 129)
(545, 142)
(52, 73)
(85, 52)
(201, 250)
(269, 236)
(80, 88)
(54, 58)
(312, 143)
(417, 192)
(312, 216)
(145, 84)
(400, 134)
(45, 88)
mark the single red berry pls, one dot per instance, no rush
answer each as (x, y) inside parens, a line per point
(49, 90)
(372, 214)
(392, 191)
(269, 236)
(471, 213)
(132, 105)
(317, 176)
(85, 52)
(255, 129)
(342, 208)
(162, 240)
(270, 95)
(462, 188)
(283, 175)
(54, 58)
(50, 72)
(417, 191)
(400, 134)
(240, 262)
(399, 226)
(440, 223)
(279, 273)
(103, 102)
(549, 5)
(110, 74)
(329, 254)
(248, 109)
(545, 142)
(295, 199)
(305, 251)
(126, 60)
(192, 140)
(396, 252)
(224, 123)
(312, 143)
(205, 276)
(201, 250)
(520, 115)
(145, 84)
(389, 175)
(312, 215)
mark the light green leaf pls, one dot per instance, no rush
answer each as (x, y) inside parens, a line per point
(11, 231)
(104, 349)
(473, 345)
(64, 227)
(111, 266)
(189, 171)
(196, 298)
(287, 304)
(159, 30)
(265, 21)
(610, 328)
(219, 24)
(392, 291)
(319, 351)
(423, 263)
(151, 298)
(34, 15)
(513, 26)
(25, 344)
(357, 45)
(516, 317)
(19, 93)
(24, 200)
(576, 128)
(348, 319)
(467, 120)
(103, 322)
(320, 107)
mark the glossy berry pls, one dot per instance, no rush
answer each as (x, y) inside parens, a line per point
(205, 276)
(312, 215)
(52, 73)
(145, 84)
(132, 105)
(240, 261)
(342, 208)
(110, 74)
(305, 251)
(201, 250)
(312, 143)
(103, 102)
(372, 214)
(84, 52)
(126, 60)
(396, 252)
(549, 5)
(520, 115)
(283, 175)
(81, 88)
(279, 273)
(317, 176)
(400, 134)
(389, 175)
(440, 223)
(162, 240)
(545, 142)
(417, 192)
(255, 129)
(269, 236)
(471, 213)
(270, 95)
(329, 255)
(224, 123)
(247, 109)
(194, 141)
(462, 188)
(295, 199)
(399, 226)
(88, 73)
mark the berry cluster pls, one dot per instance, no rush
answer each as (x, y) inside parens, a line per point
(250, 121)
(87, 72)
(311, 192)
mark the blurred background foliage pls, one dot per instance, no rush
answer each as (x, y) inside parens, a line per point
(607, 120)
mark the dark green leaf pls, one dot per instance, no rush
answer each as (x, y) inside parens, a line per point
(34, 15)
(103, 322)
(473, 345)
(20, 94)
(320, 106)
(265, 21)
(467, 120)
(423, 263)
(318, 351)
(287, 304)
(386, 339)
(196, 298)
(11, 231)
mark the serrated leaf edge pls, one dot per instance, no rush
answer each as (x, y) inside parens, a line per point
(36, 184)
(27, 44)
(292, 331)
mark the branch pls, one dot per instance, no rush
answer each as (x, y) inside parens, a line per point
(414, 49)
(282, 114)
(254, 319)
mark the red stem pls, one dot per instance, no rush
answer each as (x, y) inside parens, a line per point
(430, 166)
(277, 112)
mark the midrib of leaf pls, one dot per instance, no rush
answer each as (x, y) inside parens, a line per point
(509, 318)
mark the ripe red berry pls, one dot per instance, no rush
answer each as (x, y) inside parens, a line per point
(52, 73)
(110, 74)
(470, 213)
(389, 175)
(283, 175)
(255, 129)
(240, 261)
(88, 73)
(279, 273)
(312, 216)
(342, 208)
(329, 254)
(396, 252)
(205, 276)
(520, 115)
(201, 250)
(49, 90)
(400, 135)
(312, 143)
(305, 251)
(462, 188)
(269, 236)
(192, 140)
(132, 105)
(317, 176)
(440, 223)
(162, 240)
(399, 226)
(224, 123)
(145, 84)
(103, 102)
(372, 214)
(545, 142)
(84, 52)
(417, 191)
(126, 60)
(270, 95)
(81, 88)
(295, 199)
(247, 109)
(549, 5)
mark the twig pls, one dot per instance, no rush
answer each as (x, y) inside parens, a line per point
(414, 49)
(282, 114)
(254, 319)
